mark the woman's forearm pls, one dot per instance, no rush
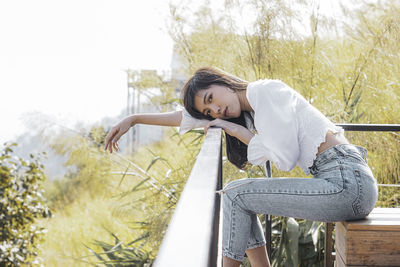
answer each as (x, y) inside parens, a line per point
(173, 118)
(243, 134)
(233, 129)
(164, 119)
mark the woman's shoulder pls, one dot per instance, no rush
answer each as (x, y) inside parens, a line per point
(266, 83)
(264, 87)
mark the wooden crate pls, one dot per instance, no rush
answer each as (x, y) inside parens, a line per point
(374, 241)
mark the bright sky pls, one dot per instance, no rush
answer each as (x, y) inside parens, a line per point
(67, 58)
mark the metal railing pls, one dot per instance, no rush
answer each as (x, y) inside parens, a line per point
(193, 233)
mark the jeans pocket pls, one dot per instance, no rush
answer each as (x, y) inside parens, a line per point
(334, 176)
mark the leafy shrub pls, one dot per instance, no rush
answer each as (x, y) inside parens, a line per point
(21, 202)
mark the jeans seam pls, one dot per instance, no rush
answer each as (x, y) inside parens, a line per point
(233, 215)
(292, 194)
(232, 225)
(357, 202)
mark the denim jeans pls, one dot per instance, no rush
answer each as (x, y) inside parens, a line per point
(343, 188)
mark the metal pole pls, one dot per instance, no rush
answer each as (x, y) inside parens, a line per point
(268, 218)
(133, 136)
(138, 126)
(128, 72)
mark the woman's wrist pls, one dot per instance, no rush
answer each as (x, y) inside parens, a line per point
(133, 119)
(233, 129)
(241, 133)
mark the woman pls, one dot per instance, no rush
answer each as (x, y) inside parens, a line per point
(288, 131)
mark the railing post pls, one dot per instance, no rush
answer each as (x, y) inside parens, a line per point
(268, 217)
(213, 260)
(328, 258)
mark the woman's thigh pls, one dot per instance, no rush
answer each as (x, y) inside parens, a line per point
(305, 198)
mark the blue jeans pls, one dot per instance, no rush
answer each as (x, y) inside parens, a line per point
(343, 188)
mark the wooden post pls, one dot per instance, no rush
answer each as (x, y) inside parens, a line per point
(328, 258)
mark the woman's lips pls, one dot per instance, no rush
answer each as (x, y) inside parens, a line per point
(226, 112)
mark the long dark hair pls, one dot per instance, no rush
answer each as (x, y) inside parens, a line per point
(202, 79)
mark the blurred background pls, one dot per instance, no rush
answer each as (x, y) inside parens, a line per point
(69, 70)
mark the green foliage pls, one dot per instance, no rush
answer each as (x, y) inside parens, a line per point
(349, 71)
(120, 254)
(132, 196)
(162, 179)
(21, 204)
(296, 243)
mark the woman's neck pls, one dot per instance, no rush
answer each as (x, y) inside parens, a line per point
(244, 103)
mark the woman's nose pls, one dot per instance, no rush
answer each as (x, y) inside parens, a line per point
(216, 109)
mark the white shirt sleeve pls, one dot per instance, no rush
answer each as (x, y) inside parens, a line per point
(274, 105)
(188, 122)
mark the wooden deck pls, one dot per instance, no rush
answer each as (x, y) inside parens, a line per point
(374, 241)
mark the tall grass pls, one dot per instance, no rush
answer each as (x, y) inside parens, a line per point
(111, 197)
(352, 76)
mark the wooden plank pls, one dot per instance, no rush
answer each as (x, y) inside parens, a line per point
(191, 232)
(339, 261)
(380, 219)
(373, 241)
(385, 211)
(372, 248)
(340, 240)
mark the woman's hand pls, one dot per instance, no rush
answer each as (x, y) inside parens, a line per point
(227, 126)
(233, 129)
(173, 118)
(117, 131)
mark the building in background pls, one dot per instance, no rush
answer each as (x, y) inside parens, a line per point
(178, 69)
(140, 89)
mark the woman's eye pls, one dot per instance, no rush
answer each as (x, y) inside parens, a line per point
(210, 98)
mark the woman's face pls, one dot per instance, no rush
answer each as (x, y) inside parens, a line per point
(218, 102)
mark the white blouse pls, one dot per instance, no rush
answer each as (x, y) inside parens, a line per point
(188, 122)
(289, 129)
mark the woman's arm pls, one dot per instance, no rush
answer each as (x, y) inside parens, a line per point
(233, 129)
(163, 119)
(173, 118)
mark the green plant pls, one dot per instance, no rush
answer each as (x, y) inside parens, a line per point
(21, 203)
(120, 254)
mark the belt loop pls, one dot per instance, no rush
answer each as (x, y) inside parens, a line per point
(363, 152)
(341, 150)
(313, 169)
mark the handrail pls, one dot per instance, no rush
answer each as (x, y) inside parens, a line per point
(370, 127)
(192, 235)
